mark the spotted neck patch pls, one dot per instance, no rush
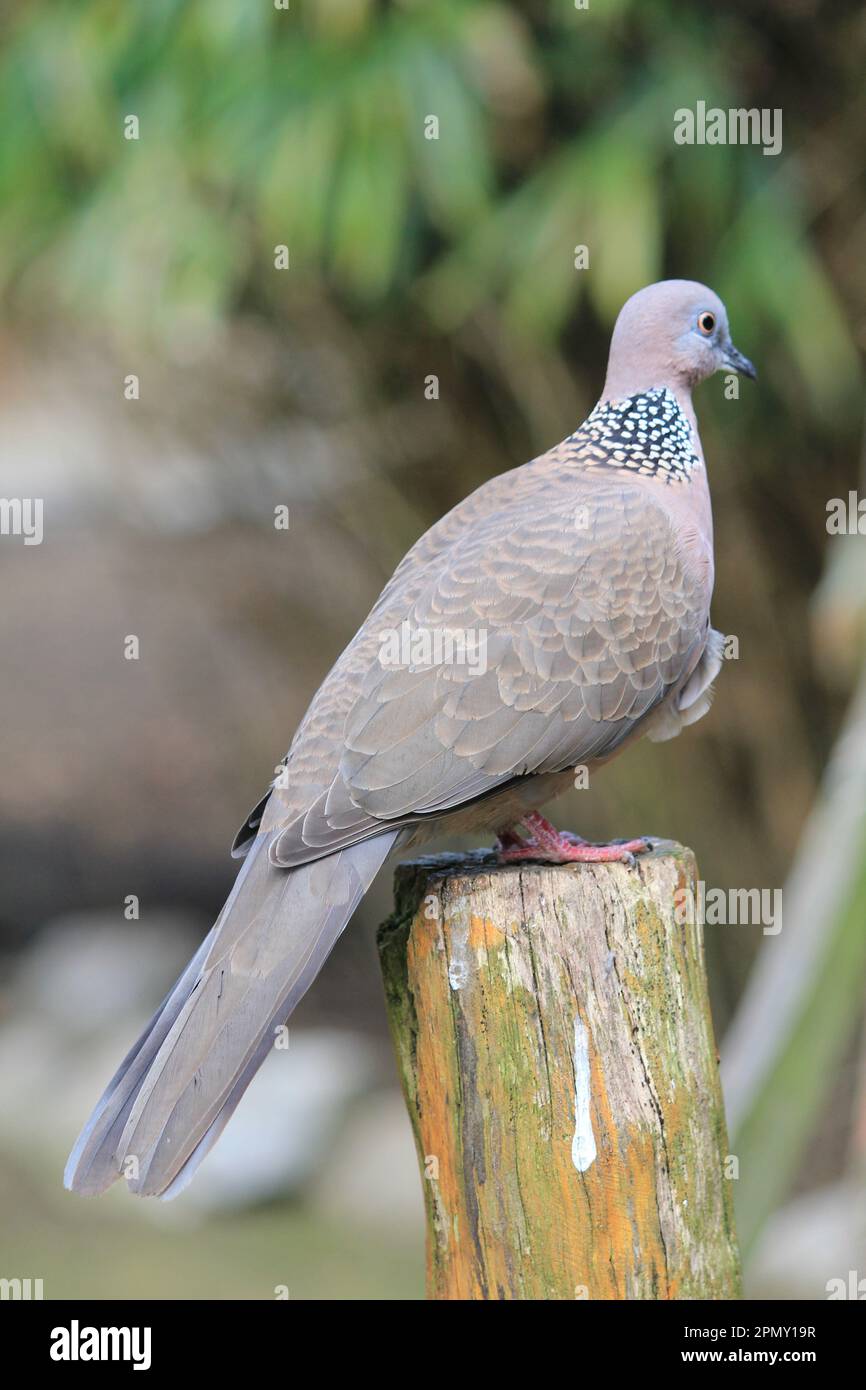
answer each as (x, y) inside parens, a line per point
(647, 434)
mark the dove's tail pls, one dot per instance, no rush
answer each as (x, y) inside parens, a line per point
(176, 1090)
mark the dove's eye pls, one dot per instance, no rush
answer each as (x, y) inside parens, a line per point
(706, 323)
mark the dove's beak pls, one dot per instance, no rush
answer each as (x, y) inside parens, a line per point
(735, 360)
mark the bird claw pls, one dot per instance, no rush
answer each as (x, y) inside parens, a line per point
(543, 842)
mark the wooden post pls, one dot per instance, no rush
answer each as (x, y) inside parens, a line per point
(556, 1050)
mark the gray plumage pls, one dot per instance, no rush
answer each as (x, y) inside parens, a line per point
(585, 577)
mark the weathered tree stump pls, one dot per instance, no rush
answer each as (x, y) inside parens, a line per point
(555, 1044)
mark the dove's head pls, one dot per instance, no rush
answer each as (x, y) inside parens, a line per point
(674, 333)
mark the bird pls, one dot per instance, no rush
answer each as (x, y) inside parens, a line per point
(558, 613)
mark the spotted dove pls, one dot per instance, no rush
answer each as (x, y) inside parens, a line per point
(583, 582)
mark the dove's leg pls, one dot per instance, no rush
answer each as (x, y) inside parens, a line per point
(541, 840)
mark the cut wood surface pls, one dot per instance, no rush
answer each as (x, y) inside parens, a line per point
(556, 1050)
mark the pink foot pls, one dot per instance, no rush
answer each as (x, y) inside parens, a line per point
(543, 841)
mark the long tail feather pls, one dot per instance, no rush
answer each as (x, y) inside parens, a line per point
(179, 1085)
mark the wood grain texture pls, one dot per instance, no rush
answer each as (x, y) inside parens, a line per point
(554, 1039)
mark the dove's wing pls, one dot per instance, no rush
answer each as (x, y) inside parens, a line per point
(313, 758)
(578, 612)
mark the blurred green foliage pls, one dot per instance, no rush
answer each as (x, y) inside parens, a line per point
(306, 127)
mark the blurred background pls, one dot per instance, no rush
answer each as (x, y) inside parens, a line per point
(304, 387)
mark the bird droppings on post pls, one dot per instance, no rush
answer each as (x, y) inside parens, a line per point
(583, 1150)
(458, 961)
